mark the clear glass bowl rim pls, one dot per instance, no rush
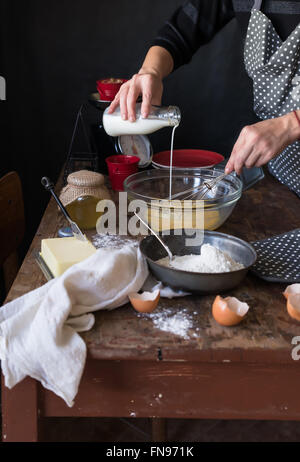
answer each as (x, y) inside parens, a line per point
(163, 173)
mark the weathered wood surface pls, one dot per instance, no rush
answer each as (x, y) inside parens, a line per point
(193, 390)
(265, 335)
(20, 411)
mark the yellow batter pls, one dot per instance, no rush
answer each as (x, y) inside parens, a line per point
(171, 216)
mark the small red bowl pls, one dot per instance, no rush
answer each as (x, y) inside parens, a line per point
(108, 88)
(187, 159)
(119, 168)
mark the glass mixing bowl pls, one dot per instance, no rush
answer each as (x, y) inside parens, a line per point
(152, 188)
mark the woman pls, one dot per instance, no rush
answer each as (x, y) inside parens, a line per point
(272, 59)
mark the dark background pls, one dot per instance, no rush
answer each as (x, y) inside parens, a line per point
(52, 53)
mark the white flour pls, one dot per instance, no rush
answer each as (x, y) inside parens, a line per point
(112, 240)
(179, 323)
(211, 260)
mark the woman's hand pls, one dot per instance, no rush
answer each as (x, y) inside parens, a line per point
(146, 83)
(261, 142)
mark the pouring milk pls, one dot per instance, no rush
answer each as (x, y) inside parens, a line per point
(159, 117)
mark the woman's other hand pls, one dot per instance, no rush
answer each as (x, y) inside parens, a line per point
(261, 142)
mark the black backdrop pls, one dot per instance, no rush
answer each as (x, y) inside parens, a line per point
(51, 54)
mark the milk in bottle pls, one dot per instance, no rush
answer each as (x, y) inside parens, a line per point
(159, 117)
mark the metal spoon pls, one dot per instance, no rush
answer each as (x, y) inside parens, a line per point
(171, 256)
(49, 186)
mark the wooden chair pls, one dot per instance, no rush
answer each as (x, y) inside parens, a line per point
(12, 225)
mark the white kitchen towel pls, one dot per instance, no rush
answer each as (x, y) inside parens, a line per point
(151, 284)
(38, 331)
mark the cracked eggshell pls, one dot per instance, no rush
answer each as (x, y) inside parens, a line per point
(292, 295)
(293, 306)
(145, 302)
(292, 289)
(229, 311)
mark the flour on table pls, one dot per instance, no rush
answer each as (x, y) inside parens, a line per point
(179, 323)
(112, 240)
(211, 260)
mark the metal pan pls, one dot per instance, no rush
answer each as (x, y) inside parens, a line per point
(43, 265)
(201, 283)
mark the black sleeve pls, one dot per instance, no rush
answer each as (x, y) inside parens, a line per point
(192, 25)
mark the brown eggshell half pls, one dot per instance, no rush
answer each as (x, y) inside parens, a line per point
(293, 306)
(292, 289)
(229, 311)
(145, 302)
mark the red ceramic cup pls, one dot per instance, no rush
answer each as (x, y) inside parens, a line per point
(108, 88)
(119, 168)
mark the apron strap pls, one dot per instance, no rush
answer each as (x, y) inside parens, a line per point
(257, 5)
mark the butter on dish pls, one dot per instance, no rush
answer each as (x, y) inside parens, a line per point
(61, 253)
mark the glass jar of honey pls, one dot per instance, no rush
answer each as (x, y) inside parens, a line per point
(81, 195)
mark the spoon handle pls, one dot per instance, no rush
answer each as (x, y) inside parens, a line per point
(157, 237)
(49, 186)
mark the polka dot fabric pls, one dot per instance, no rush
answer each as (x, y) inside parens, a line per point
(274, 66)
(278, 258)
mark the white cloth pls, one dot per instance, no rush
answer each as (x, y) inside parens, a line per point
(38, 331)
(152, 284)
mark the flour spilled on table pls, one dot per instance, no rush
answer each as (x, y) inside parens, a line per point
(112, 240)
(179, 323)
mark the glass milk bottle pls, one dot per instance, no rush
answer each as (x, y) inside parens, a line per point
(158, 117)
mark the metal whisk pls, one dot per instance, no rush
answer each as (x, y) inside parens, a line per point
(200, 190)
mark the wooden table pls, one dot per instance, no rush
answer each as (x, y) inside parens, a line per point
(137, 370)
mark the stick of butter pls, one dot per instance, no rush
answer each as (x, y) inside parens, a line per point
(62, 252)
